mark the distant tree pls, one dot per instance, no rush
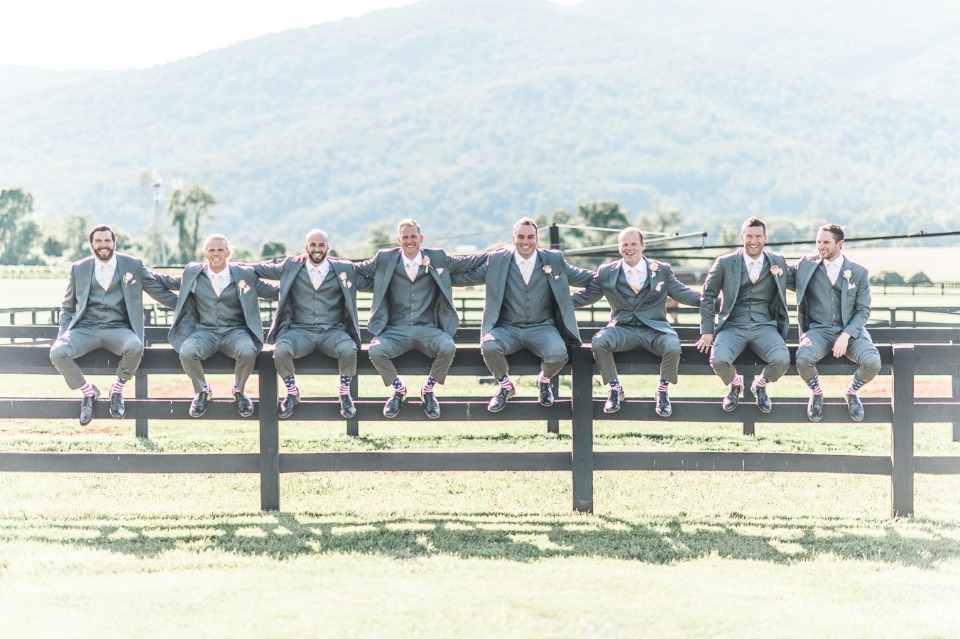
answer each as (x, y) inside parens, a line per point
(662, 219)
(52, 247)
(188, 209)
(601, 214)
(272, 249)
(889, 278)
(241, 253)
(17, 232)
(75, 232)
(378, 237)
(919, 278)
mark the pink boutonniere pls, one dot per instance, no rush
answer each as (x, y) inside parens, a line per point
(343, 280)
(654, 267)
(549, 271)
(775, 270)
(128, 278)
(426, 263)
(242, 287)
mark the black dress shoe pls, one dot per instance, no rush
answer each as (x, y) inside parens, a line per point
(855, 408)
(546, 394)
(287, 405)
(118, 410)
(732, 399)
(612, 404)
(392, 407)
(498, 401)
(815, 408)
(199, 404)
(87, 405)
(244, 404)
(347, 409)
(763, 400)
(664, 408)
(430, 404)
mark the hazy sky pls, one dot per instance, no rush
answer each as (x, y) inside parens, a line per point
(121, 34)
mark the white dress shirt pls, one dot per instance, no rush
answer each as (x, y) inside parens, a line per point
(636, 275)
(104, 271)
(219, 280)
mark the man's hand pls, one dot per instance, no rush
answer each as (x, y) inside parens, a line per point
(705, 342)
(840, 346)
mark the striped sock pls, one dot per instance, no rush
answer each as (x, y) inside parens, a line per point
(398, 387)
(117, 386)
(814, 385)
(505, 382)
(855, 384)
(543, 379)
(760, 382)
(345, 384)
(615, 385)
(662, 386)
(429, 384)
(291, 383)
(206, 388)
(737, 381)
(87, 390)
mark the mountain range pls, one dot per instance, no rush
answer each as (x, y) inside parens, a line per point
(467, 114)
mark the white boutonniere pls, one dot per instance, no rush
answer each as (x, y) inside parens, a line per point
(344, 280)
(775, 270)
(654, 267)
(659, 286)
(549, 271)
(128, 278)
(242, 287)
(847, 274)
(426, 263)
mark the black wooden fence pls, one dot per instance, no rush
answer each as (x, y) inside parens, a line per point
(902, 410)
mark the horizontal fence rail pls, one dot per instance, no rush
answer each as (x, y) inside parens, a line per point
(902, 410)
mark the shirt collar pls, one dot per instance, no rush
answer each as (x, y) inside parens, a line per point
(110, 264)
(418, 260)
(639, 268)
(836, 263)
(223, 276)
(749, 260)
(520, 260)
(320, 268)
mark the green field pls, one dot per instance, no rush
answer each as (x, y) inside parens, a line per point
(471, 554)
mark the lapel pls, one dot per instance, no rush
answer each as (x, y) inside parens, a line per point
(843, 284)
(390, 265)
(122, 269)
(505, 264)
(609, 277)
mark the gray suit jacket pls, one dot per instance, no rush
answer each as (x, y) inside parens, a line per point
(854, 294)
(381, 267)
(185, 317)
(288, 270)
(561, 274)
(134, 279)
(661, 283)
(724, 279)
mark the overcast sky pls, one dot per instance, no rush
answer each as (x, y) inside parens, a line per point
(122, 34)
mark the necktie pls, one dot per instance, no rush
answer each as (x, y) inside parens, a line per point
(315, 278)
(633, 278)
(526, 269)
(218, 283)
(412, 271)
(102, 276)
(754, 271)
(832, 273)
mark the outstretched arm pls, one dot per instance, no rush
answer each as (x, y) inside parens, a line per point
(589, 295)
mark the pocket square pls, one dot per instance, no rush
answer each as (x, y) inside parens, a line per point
(440, 271)
(659, 287)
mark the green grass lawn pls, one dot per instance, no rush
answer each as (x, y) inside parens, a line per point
(472, 554)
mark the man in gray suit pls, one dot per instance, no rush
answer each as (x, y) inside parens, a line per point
(753, 312)
(413, 309)
(103, 308)
(218, 311)
(636, 288)
(317, 311)
(833, 305)
(527, 306)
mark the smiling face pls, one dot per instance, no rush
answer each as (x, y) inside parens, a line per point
(753, 239)
(409, 239)
(103, 245)
(525, 240)
(316, 247)
(631, 248)
(216, 252)
(828, 246)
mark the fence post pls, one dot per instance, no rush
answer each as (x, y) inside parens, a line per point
(353, 425)
(901, 453)
(141, 391)
(269, 434)
(553, 424)
(955, 378)
(749, 423)
(582, 448)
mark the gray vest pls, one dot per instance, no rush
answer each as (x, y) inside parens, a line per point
(105, 308)
(630, 316)
(412, 303)
(316, 308)
(753, 300)
(823, 300)
(526, 304)
(217, 312)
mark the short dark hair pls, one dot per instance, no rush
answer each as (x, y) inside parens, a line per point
(102, 227)
(754, 221)
(524, 221)
(834, 229)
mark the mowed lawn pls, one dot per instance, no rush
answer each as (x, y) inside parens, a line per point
(473, 554)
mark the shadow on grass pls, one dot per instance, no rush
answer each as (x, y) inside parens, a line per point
(918, 543)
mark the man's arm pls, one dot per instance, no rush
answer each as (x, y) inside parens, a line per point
(367, 268)
(472, 277)
(861, 304)
(589, 295)
(267, 291)
(462, 263)
(578, 276)
(69, 305)
(679, 291)
(708, 306)
(267, 270)
(156, 289)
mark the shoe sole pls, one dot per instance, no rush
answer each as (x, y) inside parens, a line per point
(509, 396)
(729, 409)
